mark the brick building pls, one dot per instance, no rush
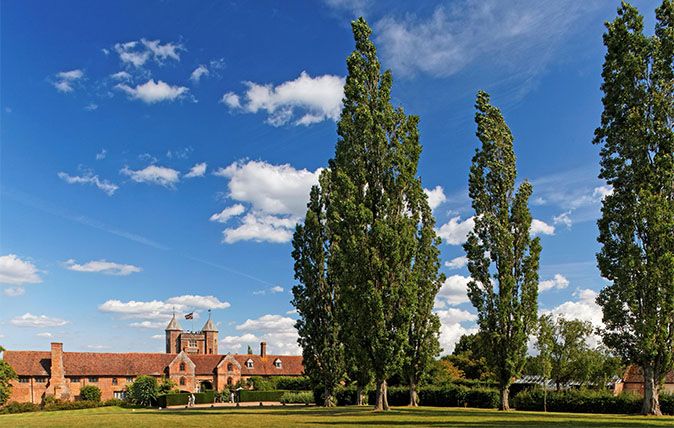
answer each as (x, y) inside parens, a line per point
(633, 381)
(191, 361)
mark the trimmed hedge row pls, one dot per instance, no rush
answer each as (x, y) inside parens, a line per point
(246, 395)
(451, 395)
(54, 405)
(582, 401)
(182, 398)
(293, 383)
(304, 397)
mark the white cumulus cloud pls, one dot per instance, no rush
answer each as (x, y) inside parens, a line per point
(453, 291)
(198, 302)
(30, 320)
(198, 170)
(103, 266)
(154, 174)
(315, 98)
(539, 227)
(227, 213)
(198, 73)
(455, 232)
(457, 262)
(559, 281)
(435, 196)
(277, 330)
(14, 271)
(65, 80)
(152, 92)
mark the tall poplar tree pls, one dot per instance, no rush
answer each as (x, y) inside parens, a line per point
(375, 213)
(502, 258)
(424, 330)
(315, 298)
(637, 223)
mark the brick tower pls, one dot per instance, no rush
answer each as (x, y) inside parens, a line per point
(173, 332)
(210, 336)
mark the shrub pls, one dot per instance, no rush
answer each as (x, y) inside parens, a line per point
(71, 405)
(304, 397)
(143, 391)
(293, 383)
(584, 401)
(90, 393)
(114, 402)
(261, 383)
(182, 398)
(15, 407)
(246, 395)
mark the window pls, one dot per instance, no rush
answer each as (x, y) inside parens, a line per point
(92, 380)
(129, 380)
(114, 381)
(249, 364)
(182, 381)
(182, 367)
(120, 395)
(230, 367)
(24, 379)
(74, 379)
(192, 343)
(277, 364)
(40, 380)
(229, 381)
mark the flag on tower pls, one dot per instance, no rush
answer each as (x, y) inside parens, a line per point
(189, 316)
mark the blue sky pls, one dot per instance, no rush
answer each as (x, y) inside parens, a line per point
(156, 155)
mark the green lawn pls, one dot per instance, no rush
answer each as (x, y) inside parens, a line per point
(312, 416)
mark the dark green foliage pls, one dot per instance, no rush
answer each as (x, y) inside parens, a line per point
(143, 391)
(304, 397)
(584, 401)
(378, 219)
(7, 373)
(181, 398)
(71, 405)
(166, 385)
(293, 383)
(90, 393)
(315, 297)
(247, 395)
(452, 395)
(16, 407)
(637, 160)
(262, 383)
(470, 356)
(502, 258)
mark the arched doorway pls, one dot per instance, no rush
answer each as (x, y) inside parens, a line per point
(206, 385)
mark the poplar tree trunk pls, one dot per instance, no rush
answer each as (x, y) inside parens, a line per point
(651, 405)
(329, 398)
(414, 396)
(359, 395)
(381, 401)
(505, 398)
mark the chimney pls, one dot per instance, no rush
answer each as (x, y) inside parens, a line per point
(263, 349)
(57, 382)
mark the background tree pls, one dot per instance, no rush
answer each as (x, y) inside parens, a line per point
(442, 372)
(7, 373)
(567, 345)
(424, 329)
(635, 229)
(503, 259)
(315, 298)
(470, 357)
(143, 391)
(166, 386)
(375, 213)
(544, 344)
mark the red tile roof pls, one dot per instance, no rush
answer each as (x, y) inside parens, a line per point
(291, 365)
(38, 363)
(634, 374)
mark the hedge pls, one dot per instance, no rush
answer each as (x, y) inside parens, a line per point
(583, 401)
(450, 395)
(293, 383)
(303, 397)
(246, 395)
(182, 398)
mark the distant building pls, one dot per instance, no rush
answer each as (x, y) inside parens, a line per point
(633, 381)
(191, 361)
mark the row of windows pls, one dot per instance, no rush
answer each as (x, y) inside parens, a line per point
(115, 381)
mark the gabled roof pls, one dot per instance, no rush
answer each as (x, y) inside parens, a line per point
(291, 365)
(38, 363)
(634, 374)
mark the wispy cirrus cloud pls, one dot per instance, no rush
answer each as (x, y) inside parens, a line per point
(153, 174)
(65, 80)
(103, 266)
(37, 321)
(88, 177)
